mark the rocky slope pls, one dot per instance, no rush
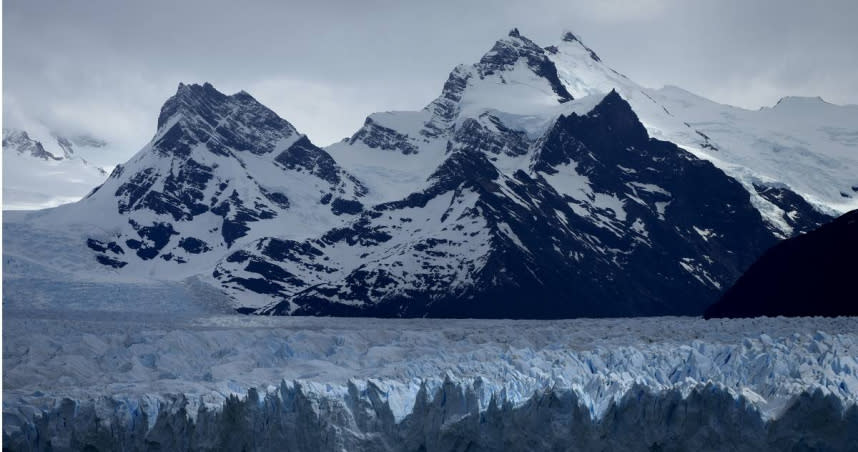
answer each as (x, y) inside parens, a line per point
(808, 275)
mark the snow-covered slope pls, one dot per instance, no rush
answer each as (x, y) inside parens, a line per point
(804, 146)
(40, 172)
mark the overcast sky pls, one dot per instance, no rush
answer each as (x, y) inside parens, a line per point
(104, 67)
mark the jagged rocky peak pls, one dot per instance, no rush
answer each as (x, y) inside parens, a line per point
(19, 141)
(225, 163)
(66, 145)
(378, 136)
(238, 122)
(569, 37)
(515, 76)
(507, 52)
(619, 122)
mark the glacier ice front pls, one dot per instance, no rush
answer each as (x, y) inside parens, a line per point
(188, 381)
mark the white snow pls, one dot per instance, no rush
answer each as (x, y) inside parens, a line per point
(606, 209)
(33, 183)
(806, 144)
(704, 233)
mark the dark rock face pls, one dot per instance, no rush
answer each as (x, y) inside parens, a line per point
(446, 107)
(108, 253)
(808, 275)
(653, 231)
(380, 137)
(154, 238)
(305, 156)
(204, 114)
(194, 245)
(341, 206)
(492, 136)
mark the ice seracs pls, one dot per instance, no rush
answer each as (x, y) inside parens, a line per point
(118, 381)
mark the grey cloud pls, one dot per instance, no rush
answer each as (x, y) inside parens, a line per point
(105, 67)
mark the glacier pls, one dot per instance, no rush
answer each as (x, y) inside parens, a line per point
(133, 372)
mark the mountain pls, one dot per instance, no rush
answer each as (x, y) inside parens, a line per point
(44, 172)
(800, 151)
(804, 144)
(808, 275)
(595, 207)
(518, 192)
(220, 170)
(537, 184)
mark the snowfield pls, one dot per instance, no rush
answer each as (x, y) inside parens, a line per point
(131, 372)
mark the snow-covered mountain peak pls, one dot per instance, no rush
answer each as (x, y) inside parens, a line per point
(615, 110)
(19, 141)
(502, 189)
(583, 72)
(509, 53)
(42, 169)
(512, 92)
(571, 39)
(800, 102)
(220, 170)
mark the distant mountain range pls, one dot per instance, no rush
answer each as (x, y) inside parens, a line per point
(539, 184)
(41, 172)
